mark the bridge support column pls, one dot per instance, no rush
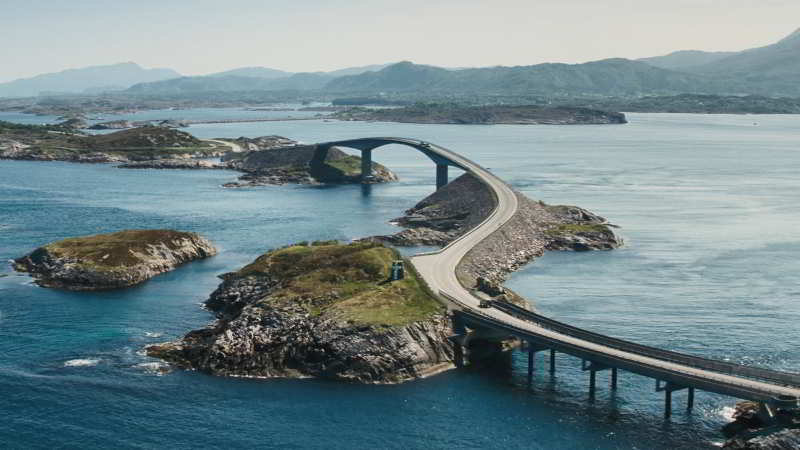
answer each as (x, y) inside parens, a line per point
(366, 164)
(459, 340)
(667, 404)
(593, 368)
(690, 399)
(614, 378)
(552, 361)
(668, 389)
(441, 175)
(531, 356)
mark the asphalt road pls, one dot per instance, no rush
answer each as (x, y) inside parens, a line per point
(438, 270)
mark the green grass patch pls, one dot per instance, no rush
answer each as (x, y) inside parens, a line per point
(114, 250)
(349, 165)
(347, 281)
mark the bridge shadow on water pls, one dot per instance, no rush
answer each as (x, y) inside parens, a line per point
(628, 415)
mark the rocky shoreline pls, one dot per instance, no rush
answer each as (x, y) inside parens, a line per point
(112, 261)
(320, 310)
(536, 227)
(296, 164)
(484, 115)
(292, 312)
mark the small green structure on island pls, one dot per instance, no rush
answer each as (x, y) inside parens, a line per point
(323, 309)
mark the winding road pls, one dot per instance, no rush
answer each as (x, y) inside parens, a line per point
(438, 269)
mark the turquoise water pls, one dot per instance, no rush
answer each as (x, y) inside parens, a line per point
(707, 205)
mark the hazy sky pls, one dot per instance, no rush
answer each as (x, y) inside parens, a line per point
(203, 36)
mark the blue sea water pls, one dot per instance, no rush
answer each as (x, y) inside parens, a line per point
(708, 207)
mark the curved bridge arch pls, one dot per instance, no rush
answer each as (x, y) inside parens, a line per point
(366, 145)
(679, 371)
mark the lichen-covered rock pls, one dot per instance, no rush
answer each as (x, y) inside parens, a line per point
(324, 310)
(115, 260)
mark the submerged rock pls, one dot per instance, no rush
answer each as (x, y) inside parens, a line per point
(115, 260)
(324, 310)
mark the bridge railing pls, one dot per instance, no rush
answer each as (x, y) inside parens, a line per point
(724, 367)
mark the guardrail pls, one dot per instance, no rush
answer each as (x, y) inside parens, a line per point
(727, 368)
(710, 384)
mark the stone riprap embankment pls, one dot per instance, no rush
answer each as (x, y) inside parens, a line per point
(110, 261)
(465, 202)
(322, 310)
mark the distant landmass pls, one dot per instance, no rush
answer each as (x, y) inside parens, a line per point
(768, 75)
(684, 60)
(85, 80)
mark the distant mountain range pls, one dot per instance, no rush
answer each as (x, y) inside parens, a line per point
(773, 70)
(118, 77)
(88, 79)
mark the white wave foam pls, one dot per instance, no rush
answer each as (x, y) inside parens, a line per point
(727, 412)
(154, 368)
(153, 335)
(81, 362)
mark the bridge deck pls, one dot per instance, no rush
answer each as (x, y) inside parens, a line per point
(438, 270)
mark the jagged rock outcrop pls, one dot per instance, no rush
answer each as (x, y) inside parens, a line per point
(748, 431)
(787, 439)
(115, 260)
(465, 202)
(324, 310)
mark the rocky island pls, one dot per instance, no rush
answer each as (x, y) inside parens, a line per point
(325, 310)
(114, 260)
(330, 310)
(296, 164)
(465, 202)
(484, 115)
(62, 143)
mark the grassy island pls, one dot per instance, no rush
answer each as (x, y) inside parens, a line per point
(60, 143)
(349, 282)
(114, 260)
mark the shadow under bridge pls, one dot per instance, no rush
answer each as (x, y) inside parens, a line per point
(439, 156)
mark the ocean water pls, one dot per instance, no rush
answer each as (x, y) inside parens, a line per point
(708, 206)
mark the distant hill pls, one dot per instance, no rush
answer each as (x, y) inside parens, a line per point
(683, 59)
(85, 79)
(779, 59)
(247, 79)
(256, 72)
(770, 70)
(231, 83)
(606, 77)
(357, 70)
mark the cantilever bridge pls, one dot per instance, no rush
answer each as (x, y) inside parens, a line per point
(672, 371)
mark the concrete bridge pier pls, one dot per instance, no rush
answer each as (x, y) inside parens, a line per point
(552, 361)
(532, 349)
(441, 175)
(593, 368)
(366, 164)
(668, 389)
